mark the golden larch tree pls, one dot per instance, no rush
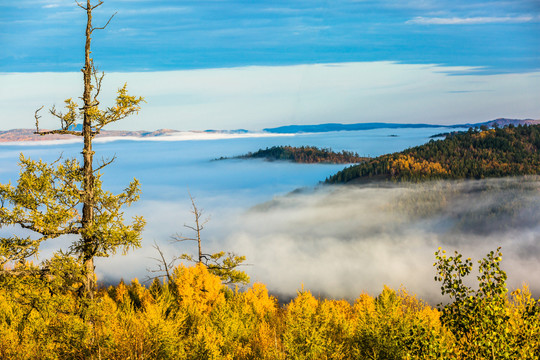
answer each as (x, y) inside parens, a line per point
(66, 197)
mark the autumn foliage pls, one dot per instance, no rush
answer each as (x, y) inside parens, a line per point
(42, 318)
(508, 151)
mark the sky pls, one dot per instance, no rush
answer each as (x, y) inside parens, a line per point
(264, 63)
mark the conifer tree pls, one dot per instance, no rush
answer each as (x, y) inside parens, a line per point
(66, 197)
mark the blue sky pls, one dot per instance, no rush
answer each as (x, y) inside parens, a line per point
(227, 64)
(46, 35)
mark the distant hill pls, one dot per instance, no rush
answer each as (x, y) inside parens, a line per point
(472, 154)
(294, 129)
(501, 122)
(304, 154)
(28, 134)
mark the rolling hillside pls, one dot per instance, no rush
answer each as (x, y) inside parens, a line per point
(466, 155)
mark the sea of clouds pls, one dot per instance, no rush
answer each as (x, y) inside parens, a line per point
(337, 241)
(340, 241)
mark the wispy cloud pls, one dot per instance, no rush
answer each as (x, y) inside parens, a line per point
(258, 97)
(469, 20)
(158, 10)
(53, 4)
(289, 10)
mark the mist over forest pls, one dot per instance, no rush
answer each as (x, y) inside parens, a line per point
(337, 241)
(342, 241)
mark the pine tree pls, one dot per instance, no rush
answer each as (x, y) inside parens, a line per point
(65, 197)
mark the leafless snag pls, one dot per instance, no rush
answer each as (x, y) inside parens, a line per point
(164, 268)
(220, 264)
(199, 226)
(38, 117)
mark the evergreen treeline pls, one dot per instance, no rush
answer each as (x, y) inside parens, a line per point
(305, 154)
(475, 154)
(194, 316)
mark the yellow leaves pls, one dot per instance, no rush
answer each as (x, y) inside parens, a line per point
(364, 305)
(121, 293)
(408, 165)
(197, 288)
(262, 304)
(303, 306)
(125, 105)
(207, 321)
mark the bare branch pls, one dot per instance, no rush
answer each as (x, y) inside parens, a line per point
(98, 80)
(192, 228)
(102, 27)
(95, 6)
(38, 117)
(178, 238)
(105, 163)
(163, 266)
(60, 132)
(81, 5)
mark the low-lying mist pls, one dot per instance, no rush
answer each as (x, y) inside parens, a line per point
(342, 241)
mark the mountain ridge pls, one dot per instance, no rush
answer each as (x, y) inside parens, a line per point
(327, 127)
(15, 135)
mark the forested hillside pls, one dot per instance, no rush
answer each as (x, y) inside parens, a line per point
(305, 154)
(473, 154)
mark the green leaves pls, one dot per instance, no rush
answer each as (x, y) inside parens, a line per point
(478, 318)
(225, 266)
(47, 201)
(73, 115)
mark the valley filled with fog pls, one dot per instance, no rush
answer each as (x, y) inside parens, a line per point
(335, 241)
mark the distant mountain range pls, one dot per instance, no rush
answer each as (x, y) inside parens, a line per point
(28, 134)
(295, 129)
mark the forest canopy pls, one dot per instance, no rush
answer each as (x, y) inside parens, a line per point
(475, 154)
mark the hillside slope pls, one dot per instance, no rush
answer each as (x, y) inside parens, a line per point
(467, 155)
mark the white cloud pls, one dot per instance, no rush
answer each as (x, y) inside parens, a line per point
(342, 241)
(469, 20)
(256, 97)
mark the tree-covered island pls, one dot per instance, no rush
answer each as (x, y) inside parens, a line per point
(304, 154)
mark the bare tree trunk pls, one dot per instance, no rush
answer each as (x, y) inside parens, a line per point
(88, 154)
(198, 227)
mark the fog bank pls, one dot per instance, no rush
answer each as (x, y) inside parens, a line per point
(341, 241)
